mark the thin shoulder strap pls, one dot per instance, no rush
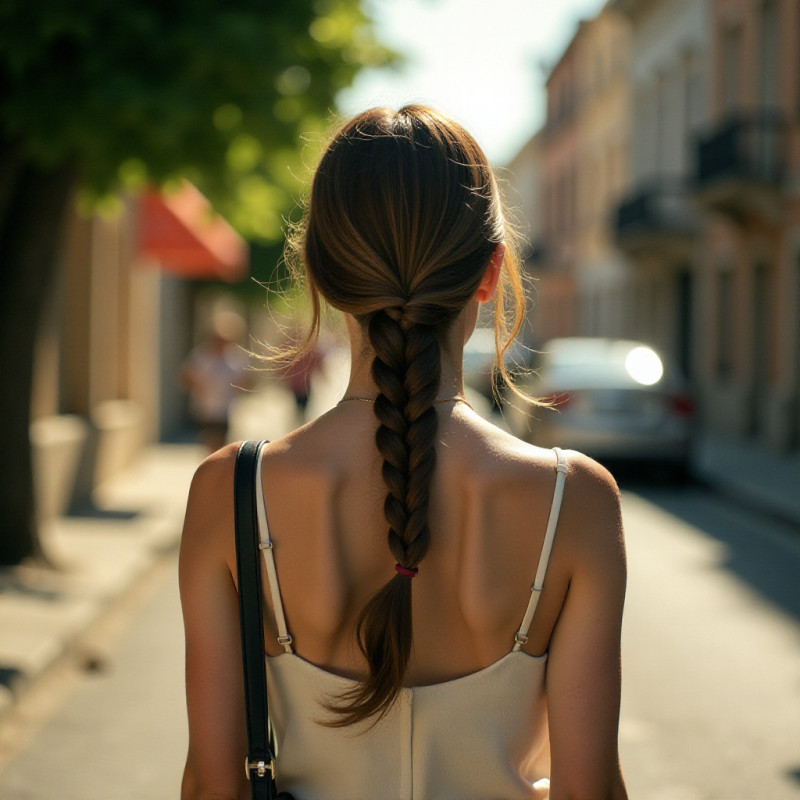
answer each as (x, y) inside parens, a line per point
(521, 635)
(266, 545)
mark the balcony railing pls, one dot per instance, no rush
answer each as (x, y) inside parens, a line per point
(654, 214)
(744, 149)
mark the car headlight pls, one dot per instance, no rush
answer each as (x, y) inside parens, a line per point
(644, 366)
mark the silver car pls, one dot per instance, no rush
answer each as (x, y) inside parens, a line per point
(612, 399)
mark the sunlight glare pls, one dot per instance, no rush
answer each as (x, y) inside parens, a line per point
(644, 366)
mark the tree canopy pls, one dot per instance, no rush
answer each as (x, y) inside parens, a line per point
(119, 95)
(217, 91)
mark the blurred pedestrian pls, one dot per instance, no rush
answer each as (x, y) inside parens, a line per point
(213, 373)
(447, 623)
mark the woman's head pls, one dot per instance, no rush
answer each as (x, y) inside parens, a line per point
(404, 215)
(404, 219)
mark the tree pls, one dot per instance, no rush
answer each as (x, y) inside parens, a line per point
(103, 96)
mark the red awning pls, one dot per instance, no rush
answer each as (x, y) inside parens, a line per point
(182, 232)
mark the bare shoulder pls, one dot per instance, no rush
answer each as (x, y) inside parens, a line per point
(509, 478)
(218, 463)
(591, 515)
(591, 478)
(590, 521)
(209, 511)
(497, 452)
(213, 477)
(591, 495)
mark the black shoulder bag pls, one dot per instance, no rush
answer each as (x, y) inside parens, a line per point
(260, 761)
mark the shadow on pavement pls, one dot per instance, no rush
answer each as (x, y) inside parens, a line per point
(761, 550)
(794, 774)
(93, 512)
(9, 676)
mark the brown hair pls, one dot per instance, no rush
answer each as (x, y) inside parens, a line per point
(403, 218)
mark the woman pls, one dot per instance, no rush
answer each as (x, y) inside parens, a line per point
(423, 664)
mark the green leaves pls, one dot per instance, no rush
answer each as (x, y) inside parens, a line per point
(220, 91)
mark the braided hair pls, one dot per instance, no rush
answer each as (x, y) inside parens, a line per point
(403, 218)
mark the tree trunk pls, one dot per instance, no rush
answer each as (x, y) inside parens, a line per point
(30, 232)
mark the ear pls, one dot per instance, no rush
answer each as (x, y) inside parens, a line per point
(488, 284)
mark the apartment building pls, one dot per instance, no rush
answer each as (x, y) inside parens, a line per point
(710, 221)
(748, 189)
(557, 306)
(603, 121)
(584, 166)
(657, 224)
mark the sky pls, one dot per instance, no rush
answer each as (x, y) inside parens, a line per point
(482, 62)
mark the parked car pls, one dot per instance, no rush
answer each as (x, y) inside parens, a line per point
(612, 399)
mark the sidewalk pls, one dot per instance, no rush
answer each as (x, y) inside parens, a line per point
(97, 559)
(766, 481)
(43, 613)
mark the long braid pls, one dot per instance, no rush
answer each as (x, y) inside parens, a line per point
(422, 378)
(407, 370)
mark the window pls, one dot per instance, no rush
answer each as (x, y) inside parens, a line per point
(769, 56)
(731, 68)
(724, 355)
(660, 113)
(692, 110)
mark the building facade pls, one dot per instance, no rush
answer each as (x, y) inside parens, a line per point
(603, 121)
(584, 167)
(657, 224)
(556, 298)
(120, 321)
(748, 188)
(670, 199)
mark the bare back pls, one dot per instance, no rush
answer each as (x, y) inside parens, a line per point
(490, 501)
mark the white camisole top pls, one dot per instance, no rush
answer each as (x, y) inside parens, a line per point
(479, 737)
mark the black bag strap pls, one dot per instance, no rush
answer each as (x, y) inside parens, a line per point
(260, 763)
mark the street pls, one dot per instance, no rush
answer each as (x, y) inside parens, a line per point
(711, 650)
(711, 689)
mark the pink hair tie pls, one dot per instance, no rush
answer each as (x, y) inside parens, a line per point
(409, 572)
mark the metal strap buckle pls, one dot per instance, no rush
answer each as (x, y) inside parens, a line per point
(260, 766)
(265, 544)
(285, 639)
(520, 638)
